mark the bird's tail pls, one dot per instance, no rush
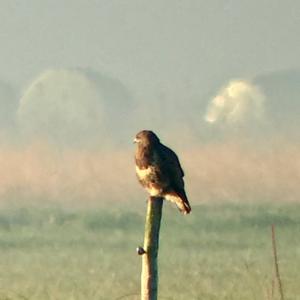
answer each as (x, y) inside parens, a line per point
(181, 200)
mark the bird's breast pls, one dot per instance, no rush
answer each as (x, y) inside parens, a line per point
(144, 174)
(149, 180)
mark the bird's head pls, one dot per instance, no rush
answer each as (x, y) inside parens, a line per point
(146, 138)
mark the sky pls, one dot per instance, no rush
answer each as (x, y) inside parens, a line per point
(169, 47)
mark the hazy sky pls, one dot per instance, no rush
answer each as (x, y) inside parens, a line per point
(152, 46)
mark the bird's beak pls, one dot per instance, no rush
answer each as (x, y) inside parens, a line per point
(135, 140)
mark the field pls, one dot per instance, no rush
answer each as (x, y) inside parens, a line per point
(220, 251)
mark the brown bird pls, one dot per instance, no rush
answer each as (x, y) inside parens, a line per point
(159, 171)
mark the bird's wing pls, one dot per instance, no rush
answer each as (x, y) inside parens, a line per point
(170, 166)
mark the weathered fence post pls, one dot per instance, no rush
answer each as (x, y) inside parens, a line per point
(149, 276)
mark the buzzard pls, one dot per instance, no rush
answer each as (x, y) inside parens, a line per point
(159, 171)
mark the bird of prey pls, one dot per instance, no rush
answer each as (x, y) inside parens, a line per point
(159, 171)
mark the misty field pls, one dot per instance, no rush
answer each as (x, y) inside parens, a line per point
(220, 251)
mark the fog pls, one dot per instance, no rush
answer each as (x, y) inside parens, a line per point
(8, 103)
(220, 89)
(69, 140)
(74, 107)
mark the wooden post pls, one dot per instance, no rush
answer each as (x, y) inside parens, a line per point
(149, 277)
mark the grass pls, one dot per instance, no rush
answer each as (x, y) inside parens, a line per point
(220, 251)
